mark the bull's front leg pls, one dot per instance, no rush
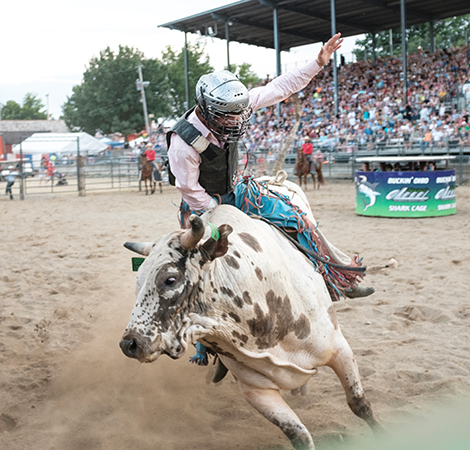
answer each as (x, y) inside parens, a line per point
(271, 405)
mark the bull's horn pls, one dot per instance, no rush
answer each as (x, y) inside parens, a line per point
(193, 235)
(143, 248)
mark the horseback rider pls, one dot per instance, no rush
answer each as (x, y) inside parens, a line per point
(203, 144)
(307, 150)
(150, 154)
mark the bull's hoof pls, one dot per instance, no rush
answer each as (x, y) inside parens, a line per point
(220, 372)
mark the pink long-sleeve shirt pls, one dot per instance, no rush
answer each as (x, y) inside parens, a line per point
(185, 161)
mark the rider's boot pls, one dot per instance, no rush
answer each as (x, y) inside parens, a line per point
(359, 291)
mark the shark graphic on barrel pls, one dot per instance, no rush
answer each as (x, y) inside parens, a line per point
(368, 189)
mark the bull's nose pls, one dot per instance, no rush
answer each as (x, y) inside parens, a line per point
(129, 347)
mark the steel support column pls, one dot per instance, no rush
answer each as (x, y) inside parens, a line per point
(335, 68)
(431, 37)
(186, 69)
(22, 171)
(277, 47)
(403, 51)
(227, 38)
(374, 45)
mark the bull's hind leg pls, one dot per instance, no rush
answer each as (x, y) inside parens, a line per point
(271, 405)
(345, 366)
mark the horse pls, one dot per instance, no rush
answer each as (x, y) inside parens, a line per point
(151, 174)
(302, 169)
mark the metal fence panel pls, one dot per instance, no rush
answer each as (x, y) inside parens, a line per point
(105, 173)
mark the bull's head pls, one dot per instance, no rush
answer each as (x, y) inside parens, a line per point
(169, 293)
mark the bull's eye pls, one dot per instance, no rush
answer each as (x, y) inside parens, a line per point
(168, 278)
(170, 281)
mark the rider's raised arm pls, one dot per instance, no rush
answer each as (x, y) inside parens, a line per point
(295, 80)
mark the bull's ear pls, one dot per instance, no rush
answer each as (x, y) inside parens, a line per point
(217, 246)
(142, 248)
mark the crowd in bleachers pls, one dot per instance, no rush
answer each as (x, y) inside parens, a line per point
(371, 110)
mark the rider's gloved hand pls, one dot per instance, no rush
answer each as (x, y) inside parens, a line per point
(212, 204)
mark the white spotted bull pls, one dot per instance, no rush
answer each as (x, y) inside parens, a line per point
(251, 298)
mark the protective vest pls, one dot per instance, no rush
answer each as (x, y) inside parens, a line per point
(218, 167)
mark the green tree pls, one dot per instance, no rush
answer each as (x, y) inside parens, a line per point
(30, 110)
(198, 65)
(245, 74)
(108, 99)
(32, 106)
(11, 111)
(452, 32)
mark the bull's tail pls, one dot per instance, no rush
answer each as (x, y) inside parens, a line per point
(392, 264)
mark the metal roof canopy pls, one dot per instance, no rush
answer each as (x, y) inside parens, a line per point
(283, 24)
(304, 22)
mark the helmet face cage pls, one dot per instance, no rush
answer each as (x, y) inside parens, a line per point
(224, 103)
(228, 127)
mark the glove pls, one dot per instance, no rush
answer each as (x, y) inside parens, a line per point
(212, 204)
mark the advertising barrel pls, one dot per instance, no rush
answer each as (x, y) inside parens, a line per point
(405, 194)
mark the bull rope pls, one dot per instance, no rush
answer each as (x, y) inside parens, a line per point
(277, 210)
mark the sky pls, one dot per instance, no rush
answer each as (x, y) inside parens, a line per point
(46, 46)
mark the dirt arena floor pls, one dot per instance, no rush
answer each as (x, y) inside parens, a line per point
(67, 291)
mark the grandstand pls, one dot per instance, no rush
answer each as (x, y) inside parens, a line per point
(367, 114)
(372, 119)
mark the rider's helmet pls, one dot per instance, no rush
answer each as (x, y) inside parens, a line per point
(225, 104)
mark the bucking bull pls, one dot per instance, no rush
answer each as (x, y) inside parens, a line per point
(239, 287)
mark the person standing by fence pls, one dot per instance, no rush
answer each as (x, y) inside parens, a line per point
(50, 172)
(427, 141)
(10, 181)
(42, 170)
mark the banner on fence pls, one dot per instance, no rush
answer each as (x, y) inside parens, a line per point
(406, 194)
